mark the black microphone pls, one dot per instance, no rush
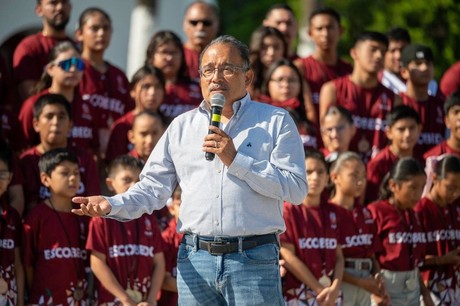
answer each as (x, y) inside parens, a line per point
(217, 102)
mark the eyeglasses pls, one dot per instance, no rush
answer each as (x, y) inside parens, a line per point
(338, 129)
(205, 22)
(73, 61)
(288, 81)
(5, 175)
(228, 70)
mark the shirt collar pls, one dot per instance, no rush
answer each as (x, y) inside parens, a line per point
(237, 105)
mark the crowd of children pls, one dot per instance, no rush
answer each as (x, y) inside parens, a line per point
(380, 224)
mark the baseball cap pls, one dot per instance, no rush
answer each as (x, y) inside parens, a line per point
(414, 52)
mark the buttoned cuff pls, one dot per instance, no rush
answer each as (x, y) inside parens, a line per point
(240, 166)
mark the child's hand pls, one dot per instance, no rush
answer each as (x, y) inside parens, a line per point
(92, 206)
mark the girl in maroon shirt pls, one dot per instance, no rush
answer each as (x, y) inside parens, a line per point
(400, 233)
(440, 221)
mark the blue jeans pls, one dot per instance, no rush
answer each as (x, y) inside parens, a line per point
(250, 277)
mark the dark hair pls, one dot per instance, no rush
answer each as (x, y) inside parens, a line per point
(372, 36)
(325, 11)
(404, 169)
(89, 12)
(6, 155)
(255, 47)
(150, 113)
(342, 112)
(147, 70)
(164, 37)
(229, 40)
(45, 79)
(316, 154)
(271, 70)
(450, 163)
(337, 165)
(451, 101)
(53, 158)
(402, 112)
(398, 34)
(51, 99)
(124, 162)
(279, 6)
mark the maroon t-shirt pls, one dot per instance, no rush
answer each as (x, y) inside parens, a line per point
(315, 233)
(129, 248)
(107, 92)
(317, 73)
(450, 81)
(377, 168)
(31, 56)
(369, 107)
(180, 98)
(83, 133)
(118, 141)
(439, 225)
(440, 149)
(171, 242)
(35, 191)
(401, 236)
(54, 246)
(432, 116)
(10, 238)
(191, 60)
(358, 231)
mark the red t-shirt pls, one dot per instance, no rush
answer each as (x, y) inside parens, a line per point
(31, 56)
(450, 82)
(54, 246)
(317, 73)
(10, 238)
(377, 168)
(401, 236)
(369, 107)
(129, 248)
(315, 233)
(432, 115)
(35, 191)
(191, 60)
(171, 242)
(180, 98)
(83, 133)
(359, 231)
(440, 149)
(439, 225)
(107, 92)
(118, 141)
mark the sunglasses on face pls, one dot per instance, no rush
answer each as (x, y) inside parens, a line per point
(73, 61)
(205, 22)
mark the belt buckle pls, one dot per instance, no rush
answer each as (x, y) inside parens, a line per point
(218, 241)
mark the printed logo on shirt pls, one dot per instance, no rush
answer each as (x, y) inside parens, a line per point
(442, 235)
(333, 220)
(358, 240)
(130, 250)
(318, 243)
(403, 237)
(148, 228)
(430, 139)
(367, 216)
(64, 253)
(384, 105)
(7, 244)
(86, 113)
(106, 103)
(121, 85)
(315, 97)
(372, 124)
(81, 132)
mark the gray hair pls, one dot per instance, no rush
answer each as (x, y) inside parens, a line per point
(229, 40)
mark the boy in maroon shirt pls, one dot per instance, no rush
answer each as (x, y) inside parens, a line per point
(52, 121)
(54, 238)
(324, 64)
(417, 69)
(403, 130)
(126, 257)
(363, 95)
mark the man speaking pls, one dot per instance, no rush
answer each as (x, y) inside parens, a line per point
(231, 211)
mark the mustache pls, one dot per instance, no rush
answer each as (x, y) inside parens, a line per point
(200, 34)
(214, 87)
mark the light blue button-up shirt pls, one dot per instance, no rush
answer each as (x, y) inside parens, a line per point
(243, 199)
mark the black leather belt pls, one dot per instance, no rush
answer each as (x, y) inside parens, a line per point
(224, 245)
(358, 265)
